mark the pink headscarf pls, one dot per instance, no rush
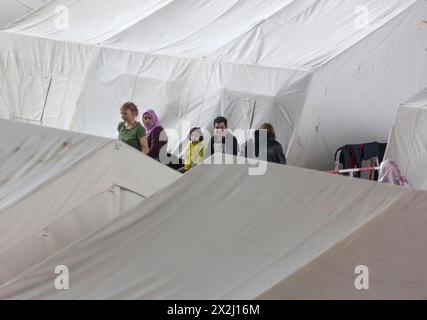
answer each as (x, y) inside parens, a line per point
(154, 123)
(390, 173)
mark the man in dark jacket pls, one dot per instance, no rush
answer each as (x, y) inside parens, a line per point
(271, 149)
(223, 141)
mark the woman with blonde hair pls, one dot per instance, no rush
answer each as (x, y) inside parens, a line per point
(130, 130)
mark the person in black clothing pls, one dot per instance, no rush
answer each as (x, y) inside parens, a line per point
(272, 152)
(222, 141)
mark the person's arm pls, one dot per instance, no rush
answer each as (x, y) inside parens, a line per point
(188, 161)
(119, 127)
(144, 144)
(201, 153)
(280, 154)
(275, 153)
(140, 135)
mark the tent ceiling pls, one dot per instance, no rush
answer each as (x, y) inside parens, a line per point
(286, 34)
(10, 10)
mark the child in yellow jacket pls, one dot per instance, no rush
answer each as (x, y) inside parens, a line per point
(195, 151)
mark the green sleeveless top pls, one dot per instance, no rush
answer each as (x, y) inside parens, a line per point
(131, 136)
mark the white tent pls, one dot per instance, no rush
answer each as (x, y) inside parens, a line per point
(408, 140)
(314, 68)
(219, 233)
(56, 186)
(11, 10)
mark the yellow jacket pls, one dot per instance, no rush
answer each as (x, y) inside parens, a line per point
(194, 154)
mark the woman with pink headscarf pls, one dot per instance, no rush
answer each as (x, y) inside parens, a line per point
(156, 135)
(390, 174)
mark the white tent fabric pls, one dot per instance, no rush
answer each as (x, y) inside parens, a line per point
(408, 140)
(392, 247)
(311, 67)
(57, 186)
(11, 10)
(30, 156)
(219, 233)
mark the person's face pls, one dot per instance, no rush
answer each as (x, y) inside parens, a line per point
(147, 119)
(220, 128)
(127, 115)
(195, 136)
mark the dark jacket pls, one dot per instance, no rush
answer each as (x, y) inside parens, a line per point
(274, 150)
(154, 143)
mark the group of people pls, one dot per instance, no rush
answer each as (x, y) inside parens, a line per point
(150, 138)
(224, 142)
(145, 137)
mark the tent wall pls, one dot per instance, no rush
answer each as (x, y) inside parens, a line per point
(54, 180)
(67, 229)
(408, 142)
(189, 93)
(77, 79)
(60, 200)
(352, 98)
(5, 45)
(43, 80)
(393, 249)
(31, 156)
(232, 242)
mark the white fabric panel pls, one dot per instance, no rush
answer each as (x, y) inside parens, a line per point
(114, 74)
(392, 247)
(63, 63)
(417, 172)
(204, 90)
(295, 38)
(233, 236)
(408, 140)
(419, 100)
(198, 27)
(31, 156)
(353, 98)
(196, 24)
(5, 44)
(76, 224)
(31, 86)
(89, 21)
(54, 100)
(128, 200)
(83, 59)
(48, 180)
(399, 146)
(11, 10)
